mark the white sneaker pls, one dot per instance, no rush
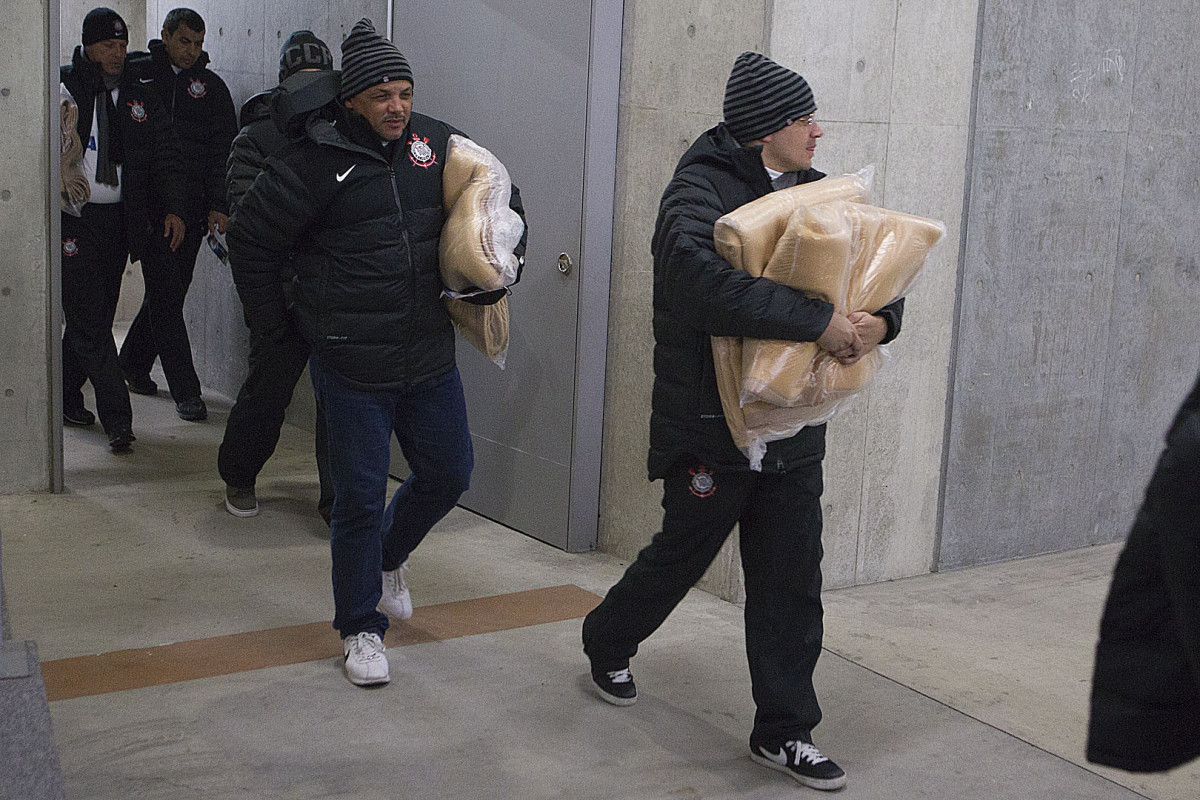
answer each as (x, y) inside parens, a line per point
(396, 601)
(366, 664)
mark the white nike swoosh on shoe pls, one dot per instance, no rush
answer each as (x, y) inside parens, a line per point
(779, 758)
(342, 176)
(145, 80)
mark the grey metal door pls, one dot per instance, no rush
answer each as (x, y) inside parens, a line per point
(518, 76)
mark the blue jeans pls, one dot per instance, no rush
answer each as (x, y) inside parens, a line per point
(429, 420)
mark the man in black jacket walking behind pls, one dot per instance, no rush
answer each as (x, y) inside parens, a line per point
(356, 206)
(766, 142)
(306, 82)
(199, 104)
(134, 213)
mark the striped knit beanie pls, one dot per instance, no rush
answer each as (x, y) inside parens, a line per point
(369, 59)
(762, 97)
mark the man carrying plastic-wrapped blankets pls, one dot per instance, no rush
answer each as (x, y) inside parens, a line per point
(766, 143)
(356, 204)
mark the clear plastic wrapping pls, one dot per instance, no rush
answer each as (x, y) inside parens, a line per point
(75, 189)
(481, 231)
(834, 247)
(485, 327)
(478, 239)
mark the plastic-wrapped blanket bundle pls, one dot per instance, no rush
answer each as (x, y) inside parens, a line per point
(485, 327)
(75, 189)
(834, 247)
(478, 239)
(481, 231)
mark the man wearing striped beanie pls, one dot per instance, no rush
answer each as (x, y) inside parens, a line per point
(354, 207)
(766, 142)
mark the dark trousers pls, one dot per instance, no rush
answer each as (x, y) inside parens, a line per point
(252, 432)
(368, 534)
(158, 330)
(93, 261)
(780, 522)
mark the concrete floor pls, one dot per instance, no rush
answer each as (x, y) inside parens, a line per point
(970, 684)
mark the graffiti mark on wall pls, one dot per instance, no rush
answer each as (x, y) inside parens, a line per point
(1107, 70)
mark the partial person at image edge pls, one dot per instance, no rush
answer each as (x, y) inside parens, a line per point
(1145, 714)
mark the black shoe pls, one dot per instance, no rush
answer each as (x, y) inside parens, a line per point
(141, 384)
(192, 410)
(801, 760)
(79, 417)
(120, 442)
(615, 686)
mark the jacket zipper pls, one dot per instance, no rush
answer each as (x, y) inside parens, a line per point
(412, 281)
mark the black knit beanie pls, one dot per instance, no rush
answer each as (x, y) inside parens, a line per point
(762, 97)
(369, 59)
(303, 50)
(103, 23)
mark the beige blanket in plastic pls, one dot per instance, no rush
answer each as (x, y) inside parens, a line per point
(746, 237)
(478, 239)
(75, 190)
(884, 250)
(827, 242)
(481, 231)
(485, 327)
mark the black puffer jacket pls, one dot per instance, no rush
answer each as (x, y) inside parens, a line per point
(1146, 690)
(260, 138)
(151, 184)
(363, 233)
(199, 105)
(697, 295)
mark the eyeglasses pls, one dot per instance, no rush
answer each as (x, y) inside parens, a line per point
(805, 121)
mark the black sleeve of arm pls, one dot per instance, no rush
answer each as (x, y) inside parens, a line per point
(246, 160)
(261, 234)
(224, 128)
(893, 315)
(707, 292)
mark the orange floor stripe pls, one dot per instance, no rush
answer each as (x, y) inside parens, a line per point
(117, 671)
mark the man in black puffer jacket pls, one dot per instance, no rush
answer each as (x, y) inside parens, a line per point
(766, 142)
(135, 212)
(356, 206)
(199, 105)
(306, 82)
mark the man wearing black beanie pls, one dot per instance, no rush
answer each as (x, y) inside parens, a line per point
(201, 110)
(766, 142)
(355, 206)
(306, 83)
(134, 213)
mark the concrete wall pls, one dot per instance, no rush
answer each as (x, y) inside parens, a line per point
(1079, 334)
(675, 59)
(28, 229)
(884, 98)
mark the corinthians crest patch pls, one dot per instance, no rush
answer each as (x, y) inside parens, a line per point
(197, 88)
(70, 247)
(703, 484)
(137, 110)
(420, 153)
